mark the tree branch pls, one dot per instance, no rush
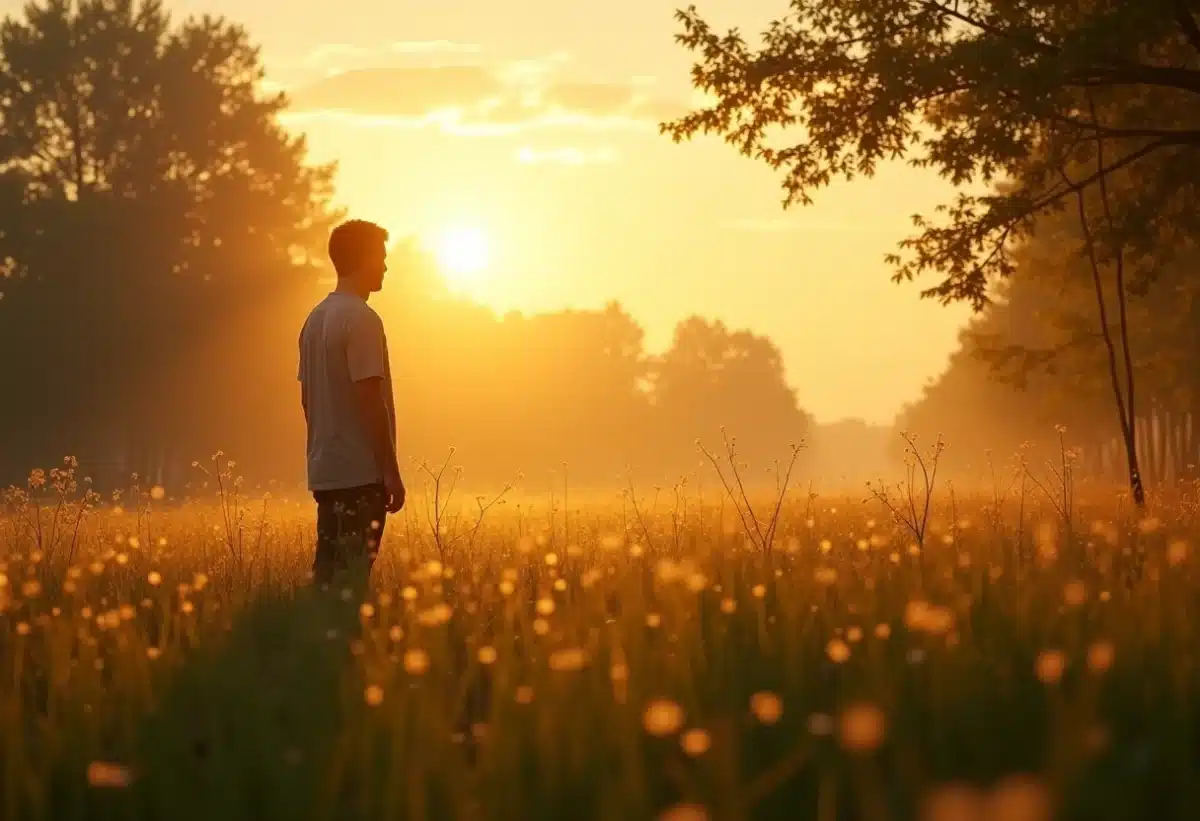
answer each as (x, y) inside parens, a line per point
(987, 28)
(1188, 23)
(1074, 186)
(1184, 136)
(1126, 73)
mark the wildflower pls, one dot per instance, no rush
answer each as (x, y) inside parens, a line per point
(862, 728)
(695, 742)
(766, 707)
(103, 775)
(439, 614)
(837, 651)
(1100, 656)
(662, 717)
(569, 660)
(1177, 552)
(954, 802)
(1075, 593)
(1050, 666)
(487, 655)
(1019, 798)
(373, 695)
(416, 661)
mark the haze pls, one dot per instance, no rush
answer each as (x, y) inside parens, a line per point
(539, 129)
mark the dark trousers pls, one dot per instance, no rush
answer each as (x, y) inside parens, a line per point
(349, 529)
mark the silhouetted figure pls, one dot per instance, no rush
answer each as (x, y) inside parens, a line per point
(346, 392)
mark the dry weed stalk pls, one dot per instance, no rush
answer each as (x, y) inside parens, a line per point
(735, 490)
(913, 501)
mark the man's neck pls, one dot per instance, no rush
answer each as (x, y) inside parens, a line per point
(345, 286)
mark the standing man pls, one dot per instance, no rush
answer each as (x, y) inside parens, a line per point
(346, 392)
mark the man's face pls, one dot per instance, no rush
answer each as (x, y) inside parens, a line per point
(374, 267)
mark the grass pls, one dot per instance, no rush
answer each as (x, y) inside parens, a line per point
(167, 660)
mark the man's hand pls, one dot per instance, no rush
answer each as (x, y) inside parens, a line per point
(394, 486)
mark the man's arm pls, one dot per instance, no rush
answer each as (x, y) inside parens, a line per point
(366, 359)
(371, 405)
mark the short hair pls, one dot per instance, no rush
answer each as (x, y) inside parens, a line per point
(350, 242)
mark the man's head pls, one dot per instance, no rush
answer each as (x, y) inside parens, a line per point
(358, 251)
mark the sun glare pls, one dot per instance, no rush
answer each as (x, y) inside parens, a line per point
(463, 255)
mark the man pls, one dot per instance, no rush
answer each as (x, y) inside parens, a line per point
(346, 392)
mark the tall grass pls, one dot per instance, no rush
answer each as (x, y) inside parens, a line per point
(161, 659)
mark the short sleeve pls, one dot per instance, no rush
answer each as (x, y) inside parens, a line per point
(366, 348)
(300, 354)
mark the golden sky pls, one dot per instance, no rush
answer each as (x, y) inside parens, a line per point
(532, 123)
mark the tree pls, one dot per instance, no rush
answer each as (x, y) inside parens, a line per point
(982, 92)
(1034, 358)
(149, 195)
(712, 378)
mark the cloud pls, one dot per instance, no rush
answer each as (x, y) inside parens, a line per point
(398, 92)
(484, 100)
(435, 47)
(327, 53)
(566, 156)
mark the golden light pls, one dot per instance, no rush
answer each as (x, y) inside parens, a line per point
(463, 254)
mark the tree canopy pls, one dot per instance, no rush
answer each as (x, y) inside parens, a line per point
(1001, 97)
(149, 195)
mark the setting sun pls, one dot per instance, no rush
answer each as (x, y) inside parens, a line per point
(463, 254)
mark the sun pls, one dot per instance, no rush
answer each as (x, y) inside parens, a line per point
(464, 255)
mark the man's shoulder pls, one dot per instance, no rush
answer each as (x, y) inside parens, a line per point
(359, 311)
(343, 306)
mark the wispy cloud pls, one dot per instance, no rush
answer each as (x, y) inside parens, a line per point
(566, 156)
(477, 100)
(435, 47)
(326, 53)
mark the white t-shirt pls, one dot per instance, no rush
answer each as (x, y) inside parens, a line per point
(342, 342)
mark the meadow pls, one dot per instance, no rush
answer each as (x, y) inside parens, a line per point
(1024, 653)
